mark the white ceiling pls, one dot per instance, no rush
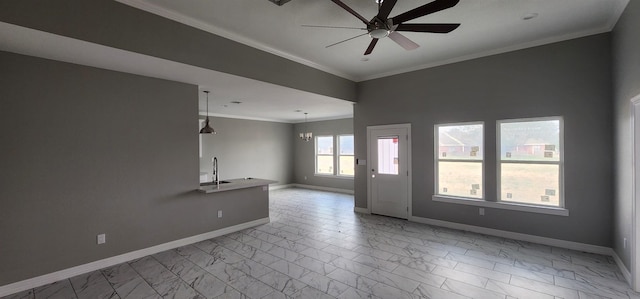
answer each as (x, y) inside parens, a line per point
(488, 27)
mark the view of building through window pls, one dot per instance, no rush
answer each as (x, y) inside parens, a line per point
(530, 161)
(460, 156)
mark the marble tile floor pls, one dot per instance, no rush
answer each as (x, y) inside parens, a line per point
(317, 247)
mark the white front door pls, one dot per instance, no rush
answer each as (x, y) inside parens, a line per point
(388, 181)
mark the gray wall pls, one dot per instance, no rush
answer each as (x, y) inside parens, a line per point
(249, 148)
(109, 23)
(87, 151)
(305, 157)
(571, 79)
(626, 74)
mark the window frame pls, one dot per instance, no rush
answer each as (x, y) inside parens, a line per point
(560, 162)
(338, 155)
(506, 205)
(316, 155)
(437, 160)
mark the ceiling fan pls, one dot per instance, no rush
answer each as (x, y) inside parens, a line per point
(382, 26)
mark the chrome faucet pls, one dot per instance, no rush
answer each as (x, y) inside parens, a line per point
(214, 174)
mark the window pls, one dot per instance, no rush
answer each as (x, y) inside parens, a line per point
(388, 155)
(324, 155)
(530, 162)
(346, 160)
(459, 160)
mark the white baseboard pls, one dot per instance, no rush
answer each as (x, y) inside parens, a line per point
(623, 268)
(361, 210)
(338, 190)
(516, 236)
(115, 260)
(277, 187)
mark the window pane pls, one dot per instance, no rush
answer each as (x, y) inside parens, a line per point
(460, 179)
(388, 155)
(530, 141)
(460, 142)
(346, 165)
(346, 144)
(324, 164)
(530, 183)
(324, 145)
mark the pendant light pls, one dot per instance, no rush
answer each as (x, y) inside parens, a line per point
(306, 136)
(207, 129)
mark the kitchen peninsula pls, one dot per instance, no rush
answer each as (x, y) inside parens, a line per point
(234, 184)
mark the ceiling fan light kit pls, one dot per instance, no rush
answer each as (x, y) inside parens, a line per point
(382, 26)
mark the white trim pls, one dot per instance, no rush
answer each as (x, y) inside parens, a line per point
(635, 232)
(516, 236)
(361, 210)
(316, 119)
(410, 173)
(222, 115)
(621, 266)
(321, 188)
(522, 46)
(178, 17)
(278, 187)
(118, 259)
(502, 205)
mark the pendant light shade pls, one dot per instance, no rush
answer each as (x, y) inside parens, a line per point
(306, 136)
(207, 129)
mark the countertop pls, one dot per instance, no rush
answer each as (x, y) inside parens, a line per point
(235, 184)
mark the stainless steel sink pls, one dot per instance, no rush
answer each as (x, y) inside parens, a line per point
(214, 183)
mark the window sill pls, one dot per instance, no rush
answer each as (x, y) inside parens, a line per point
(331, 176)
(502, 205)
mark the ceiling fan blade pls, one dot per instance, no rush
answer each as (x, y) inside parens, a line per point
(339, 27)
(371, 46)
(351, 11)
(386, 8)
(348, 39)
(403, 41)
(433, 28)
(424, 10)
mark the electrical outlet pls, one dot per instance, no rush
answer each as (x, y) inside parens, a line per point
(624, 243)
(219, 213)
(305, 177)
(102, 238)
(481, 211)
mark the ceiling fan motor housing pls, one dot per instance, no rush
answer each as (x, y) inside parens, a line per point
(279, 2)
(378, 28)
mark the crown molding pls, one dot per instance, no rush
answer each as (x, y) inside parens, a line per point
(181, 18)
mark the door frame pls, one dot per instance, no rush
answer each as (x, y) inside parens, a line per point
(635, 200)
(409, 177)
